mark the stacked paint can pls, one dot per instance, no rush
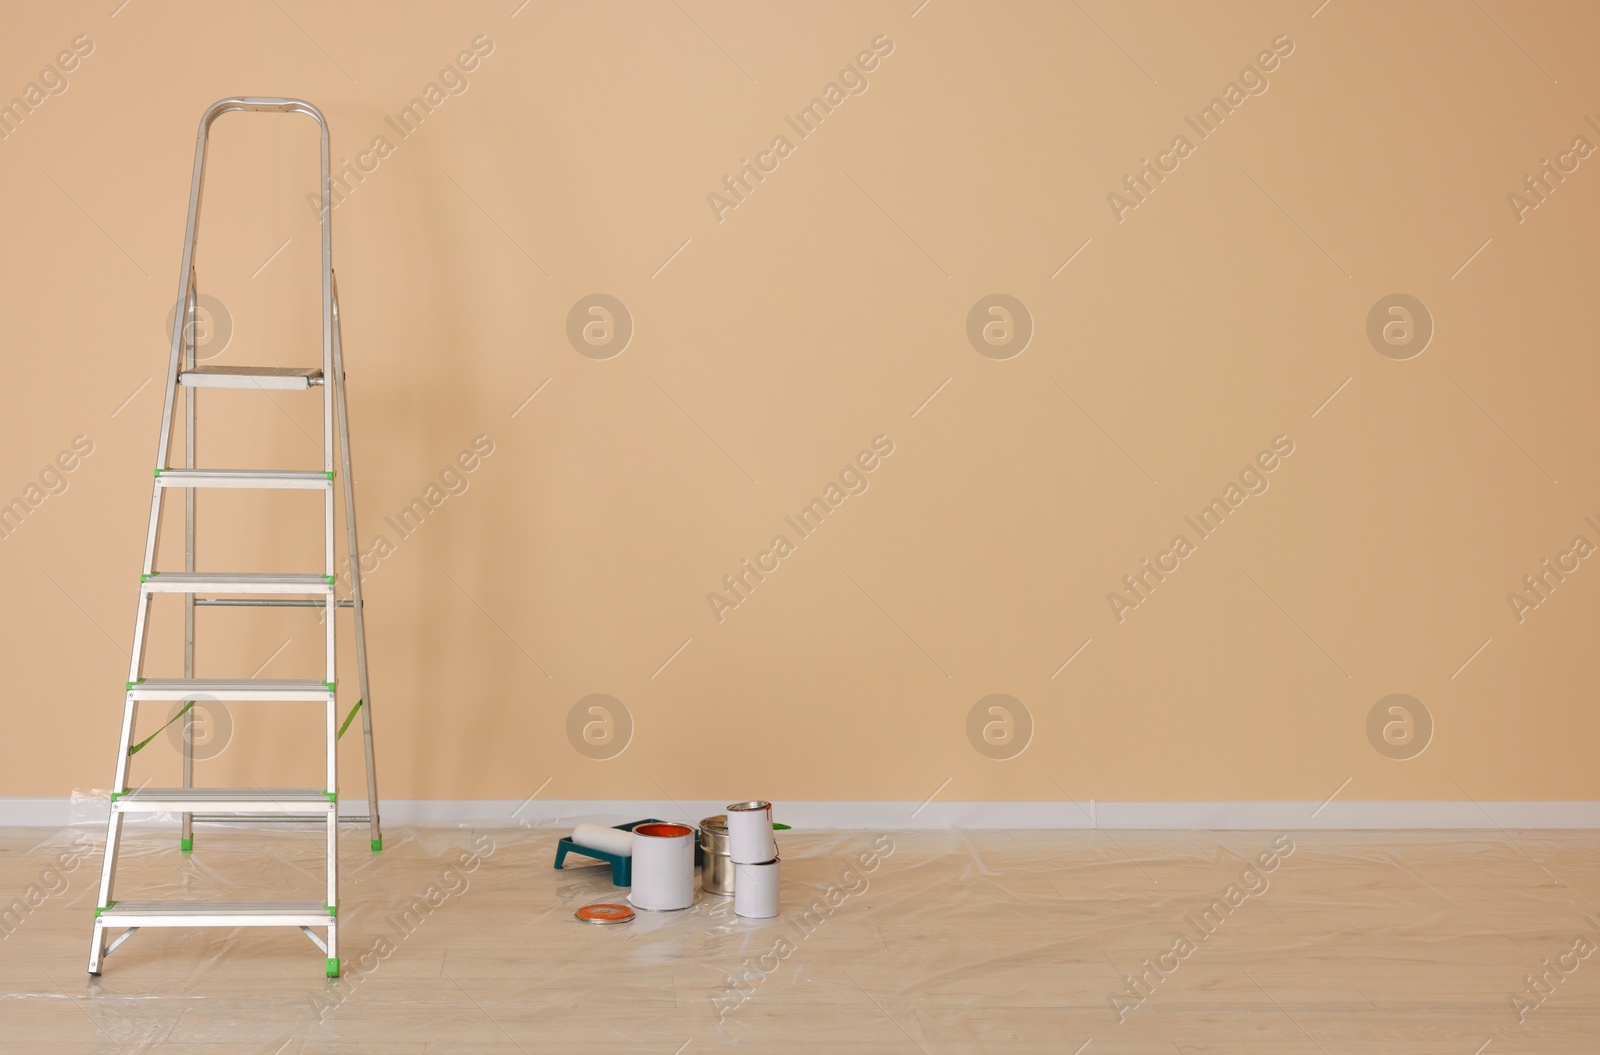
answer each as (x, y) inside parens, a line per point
(753, 853)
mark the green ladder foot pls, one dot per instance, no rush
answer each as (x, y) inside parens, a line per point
(377, 844)
(186, 844)
(333, 967)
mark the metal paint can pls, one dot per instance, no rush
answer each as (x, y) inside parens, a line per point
(758, 890)
(750, 832)
(716, 865)
(663, 866)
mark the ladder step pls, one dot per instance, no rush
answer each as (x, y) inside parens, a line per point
(234, 582)
(233, 820)
(266, 602)
(224, 800)
(216, 914)
(242, 689)
(294, 378)
(303, 479)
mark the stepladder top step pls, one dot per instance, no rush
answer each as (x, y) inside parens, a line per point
(290, 378)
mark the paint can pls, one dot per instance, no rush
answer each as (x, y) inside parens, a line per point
(750, 833)
(755, 890)
(663, 866)
(716, 861)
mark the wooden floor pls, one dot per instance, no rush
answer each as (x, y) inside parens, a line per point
(1071, 942)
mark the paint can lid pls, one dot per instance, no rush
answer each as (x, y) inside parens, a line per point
(604, 913)
(718, 824)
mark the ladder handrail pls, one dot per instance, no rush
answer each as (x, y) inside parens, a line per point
(233, 104)
(281, 104)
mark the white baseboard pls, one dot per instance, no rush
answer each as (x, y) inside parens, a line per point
(899, 816)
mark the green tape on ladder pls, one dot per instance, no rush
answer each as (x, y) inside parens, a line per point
(348, 719)
(136, 748)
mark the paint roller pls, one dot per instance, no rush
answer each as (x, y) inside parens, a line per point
(599, 837)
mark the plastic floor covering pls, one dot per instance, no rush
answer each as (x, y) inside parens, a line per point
(1082, 942)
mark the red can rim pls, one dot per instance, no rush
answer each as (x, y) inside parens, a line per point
(664, 831)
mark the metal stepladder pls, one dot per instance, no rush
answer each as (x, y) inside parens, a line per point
(243, 805)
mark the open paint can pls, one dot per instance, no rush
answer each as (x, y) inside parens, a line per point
(716, 861)
(750, 832)
(755, 890)
(663, 866)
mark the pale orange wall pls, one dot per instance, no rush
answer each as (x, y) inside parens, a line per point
(1185, 336)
